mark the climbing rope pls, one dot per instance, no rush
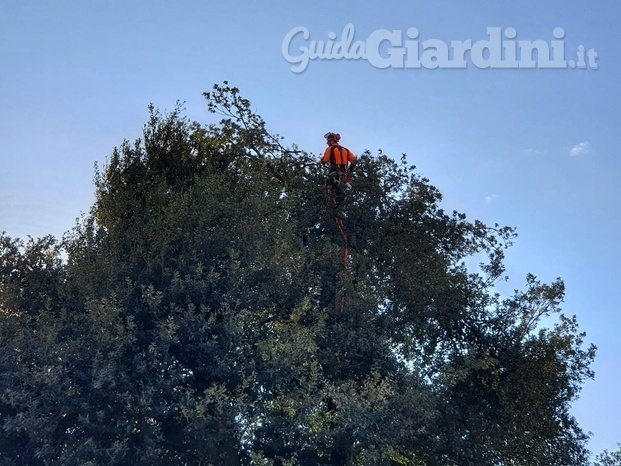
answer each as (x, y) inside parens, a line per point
(337, 198)
(339, 223)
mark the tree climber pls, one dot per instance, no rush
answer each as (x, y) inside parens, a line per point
(342, 162)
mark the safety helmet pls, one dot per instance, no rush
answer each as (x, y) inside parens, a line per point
(330, 136)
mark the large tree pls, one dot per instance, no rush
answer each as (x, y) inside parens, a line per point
(217, 307)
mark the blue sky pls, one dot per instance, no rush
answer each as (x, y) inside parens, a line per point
(532, 148)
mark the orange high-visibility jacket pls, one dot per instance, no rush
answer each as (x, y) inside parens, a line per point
(338, 155)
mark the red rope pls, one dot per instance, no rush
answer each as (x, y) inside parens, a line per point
(339, 224)
(341, 229)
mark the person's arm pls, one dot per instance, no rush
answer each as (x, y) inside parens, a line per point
(326, 156)
(351, 158)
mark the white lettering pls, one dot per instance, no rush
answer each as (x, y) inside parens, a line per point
(374, 43)
(384, 48)
(301, 60)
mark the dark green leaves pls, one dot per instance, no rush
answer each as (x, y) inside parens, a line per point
(202, 314)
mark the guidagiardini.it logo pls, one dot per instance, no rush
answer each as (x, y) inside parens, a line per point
(397, 49)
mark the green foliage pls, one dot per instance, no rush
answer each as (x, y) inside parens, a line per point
(201, 314)
(607, 458)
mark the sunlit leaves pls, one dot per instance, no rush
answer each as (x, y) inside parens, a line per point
(202, 314)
